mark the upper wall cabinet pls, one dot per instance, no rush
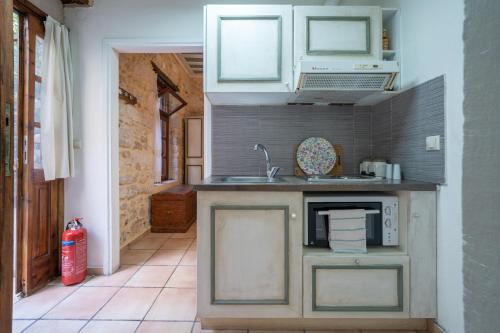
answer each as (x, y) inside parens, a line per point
(248, 51)
(337, 33)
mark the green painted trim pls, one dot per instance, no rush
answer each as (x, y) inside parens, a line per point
(244, 79)
(366, 19)
(395, 308)
(286, 299)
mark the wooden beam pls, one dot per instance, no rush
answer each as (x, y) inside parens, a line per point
(6, 178)
(83, 3)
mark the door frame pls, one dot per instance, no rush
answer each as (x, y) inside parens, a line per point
(112, 47)
(6, 183)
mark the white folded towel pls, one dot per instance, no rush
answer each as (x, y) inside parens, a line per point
(347, 232)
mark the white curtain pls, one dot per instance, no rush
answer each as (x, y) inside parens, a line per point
(56, 119)
(157, 144)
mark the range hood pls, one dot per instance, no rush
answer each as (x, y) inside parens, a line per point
(342, 82)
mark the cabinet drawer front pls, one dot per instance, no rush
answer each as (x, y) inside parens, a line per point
(249, 254)
(363, 286)
(357, 288)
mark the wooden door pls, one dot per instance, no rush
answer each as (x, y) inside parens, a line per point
(42, 202)
(6, 179)
(193, 159)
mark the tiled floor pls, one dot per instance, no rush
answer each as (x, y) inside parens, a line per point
(153, 291)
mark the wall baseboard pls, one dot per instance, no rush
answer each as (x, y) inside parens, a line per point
(95, 271)
(433, 327)
(138, 237)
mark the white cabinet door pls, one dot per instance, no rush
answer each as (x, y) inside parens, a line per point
(337, 33)
(249, 254)
(422, 250)
(248, 48)
(356, 286)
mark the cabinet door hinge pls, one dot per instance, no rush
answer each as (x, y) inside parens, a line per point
(25, 150)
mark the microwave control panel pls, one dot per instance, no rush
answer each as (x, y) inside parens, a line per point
(390, 232)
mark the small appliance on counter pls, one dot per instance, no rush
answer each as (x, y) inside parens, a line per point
(379, 168)
(382, 226)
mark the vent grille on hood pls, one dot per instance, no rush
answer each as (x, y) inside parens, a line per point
(344, 81)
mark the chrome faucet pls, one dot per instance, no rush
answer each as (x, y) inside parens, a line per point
(270, 171)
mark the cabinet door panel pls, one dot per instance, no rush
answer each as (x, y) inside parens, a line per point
(248, 50)
(252, 41)
(338, 35)
(332, 33)
(250, 255)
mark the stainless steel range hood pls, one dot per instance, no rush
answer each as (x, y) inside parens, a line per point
(342, 82)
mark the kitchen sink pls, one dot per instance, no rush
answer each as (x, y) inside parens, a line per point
(247, 179)
(333, 179)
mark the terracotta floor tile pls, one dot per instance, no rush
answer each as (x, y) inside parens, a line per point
(56, 326)
(183, 277)
(174, 304)
(276, 331)
(192, 228)
(177, 244)
(19, 325)
(334, 331)
(164, 235)
(35, 306)
(82, 304)
(164, 327)
(117, 279)
(189, 258)
(187, 234)
(151, 276)
(135, 257)
(193, 246)
(197, 329)
(165, 257)
(57, 282)
(110, 326)
(147, 243)
(129, 304)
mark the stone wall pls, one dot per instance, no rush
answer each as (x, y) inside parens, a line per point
(137, 135)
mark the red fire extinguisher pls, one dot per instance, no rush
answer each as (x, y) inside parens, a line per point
(74, 253)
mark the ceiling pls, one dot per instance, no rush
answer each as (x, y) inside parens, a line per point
(192, 62)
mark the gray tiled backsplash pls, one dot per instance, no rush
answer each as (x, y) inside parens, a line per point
(236, 129)
(394, 129)
(401, 124)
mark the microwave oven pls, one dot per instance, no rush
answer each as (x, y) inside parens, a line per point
(382, 226)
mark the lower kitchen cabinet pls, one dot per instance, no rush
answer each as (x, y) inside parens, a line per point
(254, 261)
(356, 286)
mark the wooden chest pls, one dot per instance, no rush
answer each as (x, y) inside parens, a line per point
(173, 210)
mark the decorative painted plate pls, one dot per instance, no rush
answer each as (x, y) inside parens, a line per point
(316, 156)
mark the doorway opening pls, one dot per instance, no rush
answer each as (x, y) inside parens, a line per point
(160, 132)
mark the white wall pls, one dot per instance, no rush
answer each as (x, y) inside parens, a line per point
(433, 31)
(175, 20)
(432, 45)
(53, 8)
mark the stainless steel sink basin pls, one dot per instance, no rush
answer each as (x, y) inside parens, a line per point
(333, 179)
(247, 180)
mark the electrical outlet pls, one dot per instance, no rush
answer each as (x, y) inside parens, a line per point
(433, 143)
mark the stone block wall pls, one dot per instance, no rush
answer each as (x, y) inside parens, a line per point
(137, 123)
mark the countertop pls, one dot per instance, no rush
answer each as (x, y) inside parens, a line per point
(299, 184)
